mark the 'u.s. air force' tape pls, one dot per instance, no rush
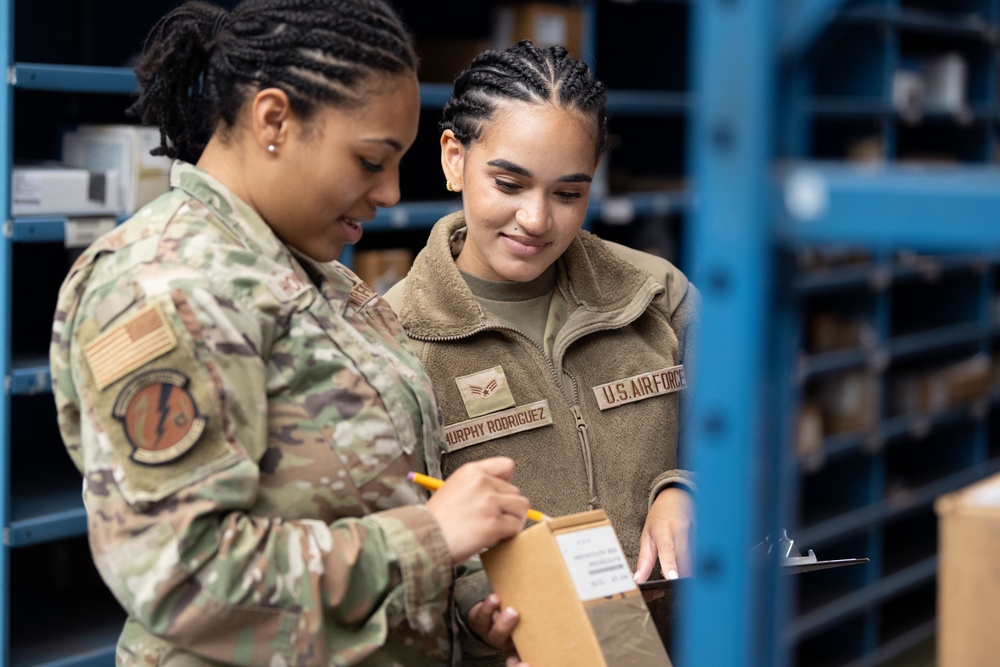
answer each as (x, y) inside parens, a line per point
(639, 387)
(497, 425)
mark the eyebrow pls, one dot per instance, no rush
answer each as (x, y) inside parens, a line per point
(391, 142)
(507, 165)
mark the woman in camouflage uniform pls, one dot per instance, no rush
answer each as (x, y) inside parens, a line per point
(244, 409)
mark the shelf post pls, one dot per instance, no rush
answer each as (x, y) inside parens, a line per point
(6, 255)
(731, 142)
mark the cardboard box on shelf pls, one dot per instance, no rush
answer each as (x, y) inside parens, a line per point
(832, 331)
(578, 604)
(968, 601)
(545, 24)
(382, 269)
(849, 402)
(55, 189)
(143, 177)
(441, 60)
(938, 388)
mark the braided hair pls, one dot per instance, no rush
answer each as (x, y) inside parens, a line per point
(201, 63)
(524, 73)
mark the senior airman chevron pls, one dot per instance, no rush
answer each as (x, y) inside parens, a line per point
(485, 392)
(497, 425)
(639, 387)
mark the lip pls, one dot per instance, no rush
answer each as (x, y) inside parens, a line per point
(352, 228)
(524, 246)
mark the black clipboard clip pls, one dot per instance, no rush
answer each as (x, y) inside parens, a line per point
(792, 562)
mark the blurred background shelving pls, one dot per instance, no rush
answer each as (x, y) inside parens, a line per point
(888, 392)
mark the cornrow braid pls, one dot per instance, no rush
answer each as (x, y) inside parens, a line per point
(523, 73)
(200, 64)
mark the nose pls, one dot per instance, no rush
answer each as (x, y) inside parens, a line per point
(386, 191)
(533, 215)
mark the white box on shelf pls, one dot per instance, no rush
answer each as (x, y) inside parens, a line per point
(144, 177)
(55, 189)
(945, 83)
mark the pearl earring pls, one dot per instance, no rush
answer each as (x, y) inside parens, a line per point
(272, 149)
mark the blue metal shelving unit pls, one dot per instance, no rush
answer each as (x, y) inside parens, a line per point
(753, 204)
(756, 194)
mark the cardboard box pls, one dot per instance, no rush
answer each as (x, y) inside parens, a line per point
(143, 177)
(938, 388)
(54, 189)
(442, 60)
(570, 582)
(968, 575)
(849, 402)
(382, 269)
(543, 23)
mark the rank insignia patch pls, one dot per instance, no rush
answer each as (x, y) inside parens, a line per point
(485, 392)
(159, 416)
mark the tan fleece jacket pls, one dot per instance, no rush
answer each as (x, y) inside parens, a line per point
(629, 314)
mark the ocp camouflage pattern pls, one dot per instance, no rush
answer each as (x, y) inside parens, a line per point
(287, 534)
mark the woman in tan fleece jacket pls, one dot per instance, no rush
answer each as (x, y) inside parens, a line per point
(545, 343)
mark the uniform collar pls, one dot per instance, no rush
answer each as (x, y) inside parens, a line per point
(439, 303)
(235, 214)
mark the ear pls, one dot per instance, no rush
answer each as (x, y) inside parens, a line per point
(270, 118)
(452, 159)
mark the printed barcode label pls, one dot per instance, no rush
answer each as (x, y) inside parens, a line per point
(596, 562)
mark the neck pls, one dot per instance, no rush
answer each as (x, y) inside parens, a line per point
(226, 164)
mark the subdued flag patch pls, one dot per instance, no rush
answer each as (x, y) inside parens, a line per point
(485, 392)
(119, 351)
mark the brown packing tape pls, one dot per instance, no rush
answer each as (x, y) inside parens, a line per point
(615, 619)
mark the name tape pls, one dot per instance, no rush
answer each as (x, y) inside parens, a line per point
(497, 425)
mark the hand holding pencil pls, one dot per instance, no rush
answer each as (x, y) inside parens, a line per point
(433, 484)
(477, 506)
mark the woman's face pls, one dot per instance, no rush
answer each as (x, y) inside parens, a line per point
(525, 186)
(329, 176)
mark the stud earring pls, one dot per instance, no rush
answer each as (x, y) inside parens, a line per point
(272, 149)
(448, 186)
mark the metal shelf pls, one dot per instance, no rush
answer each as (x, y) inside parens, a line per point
(29, 376)
(48, 515)
(916, 20)
(887, 508)
(861, 599)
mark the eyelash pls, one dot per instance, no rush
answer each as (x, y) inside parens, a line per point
(371, 166)
(506, 186)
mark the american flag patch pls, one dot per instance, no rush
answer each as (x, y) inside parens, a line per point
(117, 352)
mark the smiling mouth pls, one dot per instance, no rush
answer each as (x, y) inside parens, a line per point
(356, 224)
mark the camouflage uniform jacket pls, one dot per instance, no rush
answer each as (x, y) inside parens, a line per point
(244, 419)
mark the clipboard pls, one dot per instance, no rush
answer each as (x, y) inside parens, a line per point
(791, 562)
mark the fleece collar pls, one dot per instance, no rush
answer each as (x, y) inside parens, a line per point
(439, 304)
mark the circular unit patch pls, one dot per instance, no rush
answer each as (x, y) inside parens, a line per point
(159, 416)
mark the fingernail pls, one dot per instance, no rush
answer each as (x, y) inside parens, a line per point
(635, 577)
(672, 574)
(511, 612)
(493, 599)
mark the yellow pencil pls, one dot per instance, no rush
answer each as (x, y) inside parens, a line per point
(433, 484)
